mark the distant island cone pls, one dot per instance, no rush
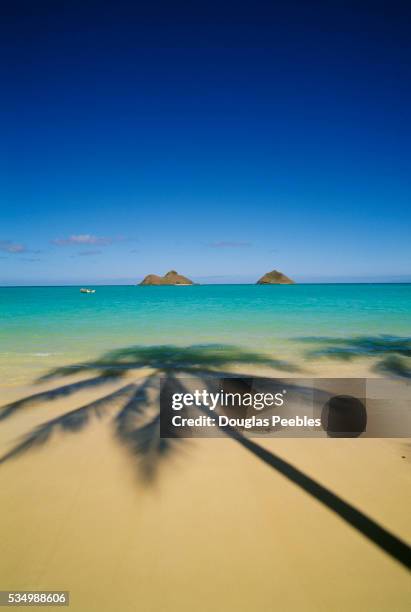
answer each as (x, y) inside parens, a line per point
(275, 278)
(171, 278)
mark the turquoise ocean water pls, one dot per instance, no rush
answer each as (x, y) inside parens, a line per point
(41, 327)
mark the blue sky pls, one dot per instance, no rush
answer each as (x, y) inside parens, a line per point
(222, 141)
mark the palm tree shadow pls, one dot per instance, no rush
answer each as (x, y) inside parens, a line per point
(381, 537)
(137, 424)
(391, 354)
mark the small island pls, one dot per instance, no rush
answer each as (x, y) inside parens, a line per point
(171, 278)
(275, 278)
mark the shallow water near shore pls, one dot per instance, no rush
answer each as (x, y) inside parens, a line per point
(42, 327)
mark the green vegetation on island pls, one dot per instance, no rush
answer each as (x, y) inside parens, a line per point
(171, 278)
(275, 278)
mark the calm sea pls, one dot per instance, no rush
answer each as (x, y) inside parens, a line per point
(44, 326)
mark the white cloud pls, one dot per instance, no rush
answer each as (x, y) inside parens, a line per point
(12, 247)
(76, 239)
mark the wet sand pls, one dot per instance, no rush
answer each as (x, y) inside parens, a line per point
(217, 530)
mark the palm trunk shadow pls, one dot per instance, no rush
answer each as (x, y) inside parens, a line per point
(381, 537)
(389, 543)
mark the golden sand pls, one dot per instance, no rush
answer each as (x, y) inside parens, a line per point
(217, 530)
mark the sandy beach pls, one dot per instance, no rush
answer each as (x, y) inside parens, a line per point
(217, 528)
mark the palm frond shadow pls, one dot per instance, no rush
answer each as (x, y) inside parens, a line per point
(69, 422)
(53, 394)
(391, 354)
(136, 423)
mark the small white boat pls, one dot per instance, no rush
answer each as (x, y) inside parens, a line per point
(85, 290)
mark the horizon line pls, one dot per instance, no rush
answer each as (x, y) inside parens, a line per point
(376, 282)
